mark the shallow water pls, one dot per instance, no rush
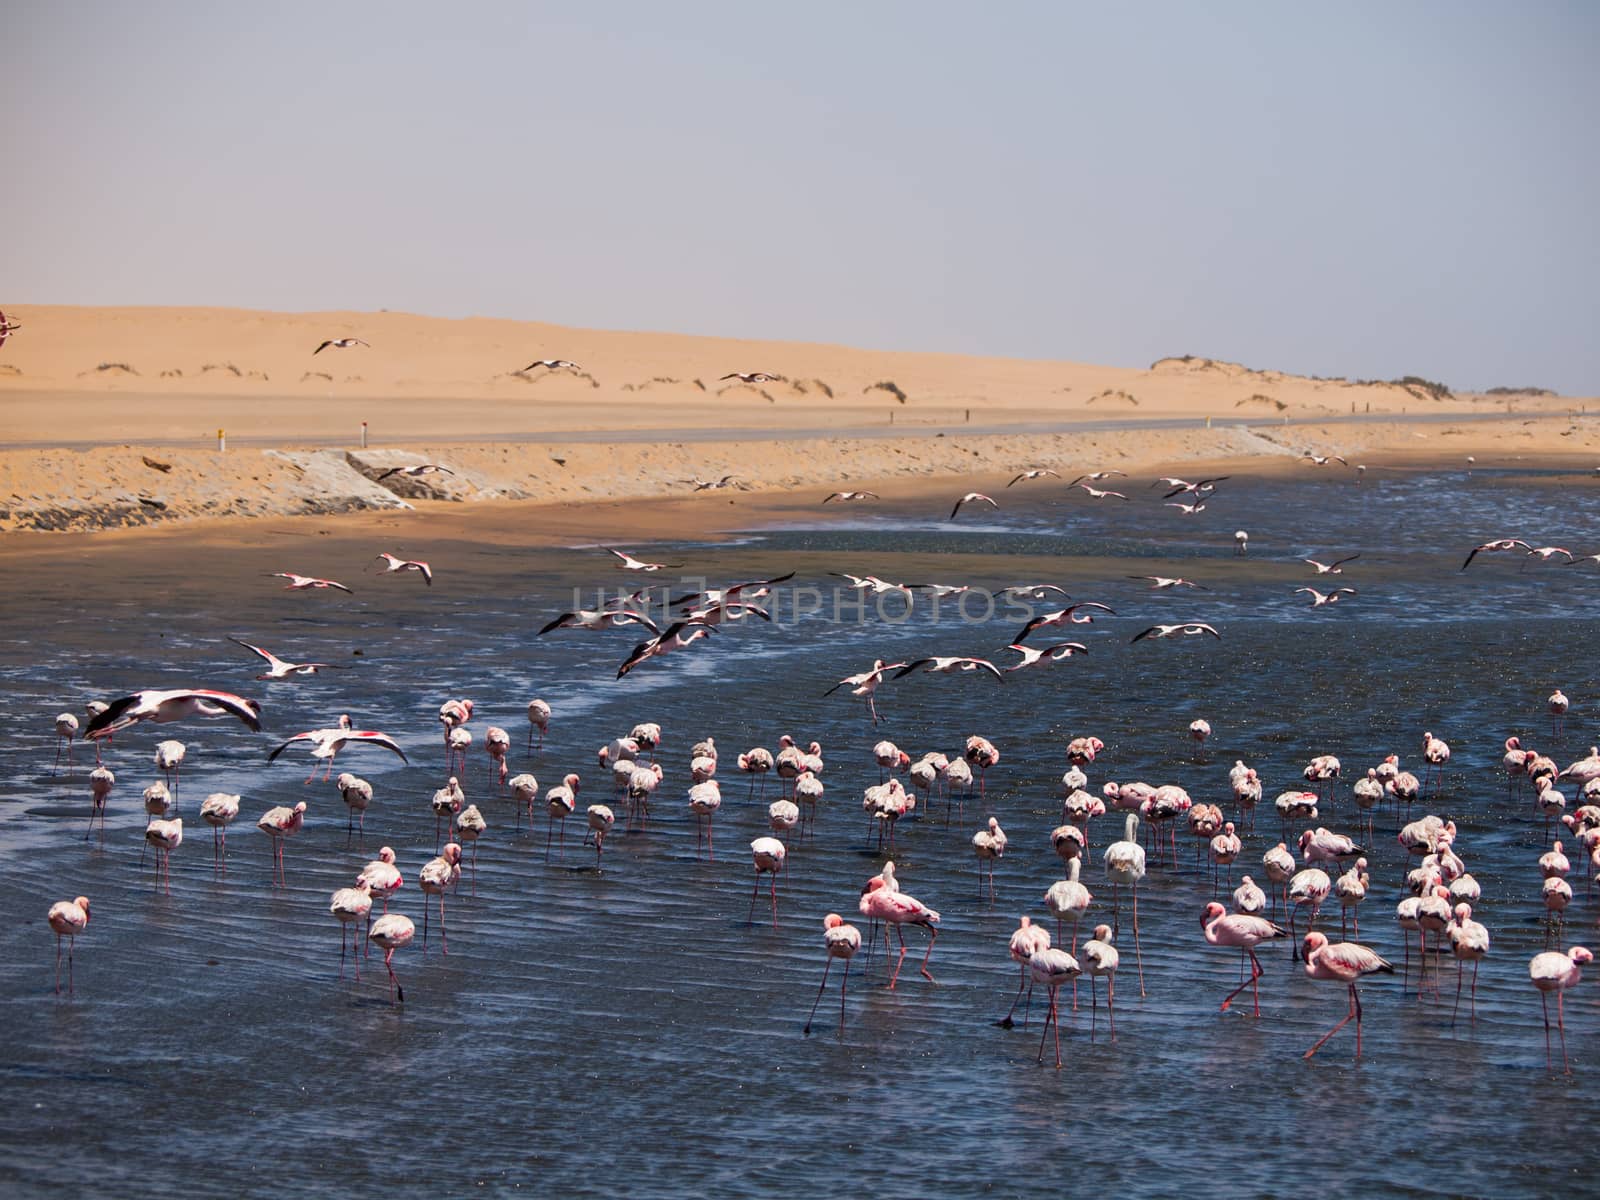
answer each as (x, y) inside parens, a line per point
(626, 1030)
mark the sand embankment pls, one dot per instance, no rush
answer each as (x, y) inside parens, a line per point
(110, 416)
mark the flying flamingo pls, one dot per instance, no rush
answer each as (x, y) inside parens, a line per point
(841, 941)
(439, 875)
(162, 707)
(349, 906)
(1053, 967)
(68, 918)
(326, 743)
(219, 810)
(1102, 959)
(1555, 971)
(1124, 864)
(1343, 962)
(278, 668)
(1027, 941)
(1245, 932)
(768, 854)
(391, 564)
(538, 718)
(279, 824)
(971, 498)
(389, 933)
(300, 583)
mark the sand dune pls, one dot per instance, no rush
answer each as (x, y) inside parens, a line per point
(89, 395)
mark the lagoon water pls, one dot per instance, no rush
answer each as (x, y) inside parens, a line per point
(626, 1031)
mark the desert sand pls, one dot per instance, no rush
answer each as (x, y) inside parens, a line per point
(111, 418)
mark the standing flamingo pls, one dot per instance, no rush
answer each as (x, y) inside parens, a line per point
(497, 744)
(169, 759)
(600, 819)
(470, 826)
(1124, 865)
(446, 803)
(1068, 898)
(66, 731)
(989, 845)
(279, 824)
(357, 796)
(457, 741)
(350, 905)
(900, 909)
(1053, 967)
(1027, 941)
(981, 753)
(1279, 865)
(1351, 888)
(165, 836)
(538, 718)
(756, 762)
(1309, 886)
(1102, 959)
(101, 780)
(1469, 940)
(524, 791)
(1556, 971)
(219, 810)
(1557, 704)
(68, 918)
(389, 933)
(560, 802)
(841, 941)
(1244, 932)
(1437, 754)
(768, 855)
(1343, 962)
(439, 875)
(704, 800)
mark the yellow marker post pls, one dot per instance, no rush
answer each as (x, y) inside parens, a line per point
(222, 439)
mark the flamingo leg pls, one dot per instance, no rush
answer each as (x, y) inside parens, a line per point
(826, 967)
(1138, 952)
(58, 964)
(843, 984)
(1255, 974)
(933, 936)
(1006, 1022)
(1324, 1038)
(444, 939)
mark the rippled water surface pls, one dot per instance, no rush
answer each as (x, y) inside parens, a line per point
(626, 1030)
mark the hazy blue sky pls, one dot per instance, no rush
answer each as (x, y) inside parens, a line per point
(1365, 189)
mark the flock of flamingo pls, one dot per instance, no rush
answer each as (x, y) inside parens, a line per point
(1439, 893)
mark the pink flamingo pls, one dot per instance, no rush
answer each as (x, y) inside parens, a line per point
(1343, 962)
(1027, 941)
(989, 845)
(900, 909)
(538, 718)
(68, 918)
(1557, 705)
(601, 820)
(1053, 967)
(768, 855)
(1470, 941)
(357, 796)
(1555, 971)
(841, 941)
(704, 800)
(981, 753)
(165, 836)
(1102, 959)
(66, 731)
(389, 933)
(219, 810)
(101, 780)
(279, 824)
(470, 826)
(1244, 932)
(350, 905)
(1437, 754)
(497, 744)
(439, 875)
(756, 762)
(560, 802)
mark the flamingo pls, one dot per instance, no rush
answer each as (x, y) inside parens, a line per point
(1556, 971)
(704, 800)
(301, 583)
(1225, 849)
(357, 796)
(1368, 792)
(756, 762)
(1200, 730)
(1470, 941)
(391, 564)
(900, 909)
(807, 790)
(343, 343)
(101, 780)
(1102, 959)
(1248, 898)
(165, 836)
(1279, 865)
(768, 854)
(1027, 941)
(1310, 885)
(1068, 898)
(457, 742)
(169, 760)
(1437, 754)
(446, 803)
(989, 845)
(560, 802)
(470, 826)
(279, 824)
(971, 498)
(66, 731)
(326, 743)
(389, 933)
(600, 819)
(1245, 932)
(219, 810)
(278, 668)
(350, 905)
(439, 875)
(1053, 967)
(1124, 865)
(162, 707)
(538, 718)
(381, 877)
(1343, 962)
(981, 753)
(68, 918)
(840, 941)
(1557, 705)
(1351, 888)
